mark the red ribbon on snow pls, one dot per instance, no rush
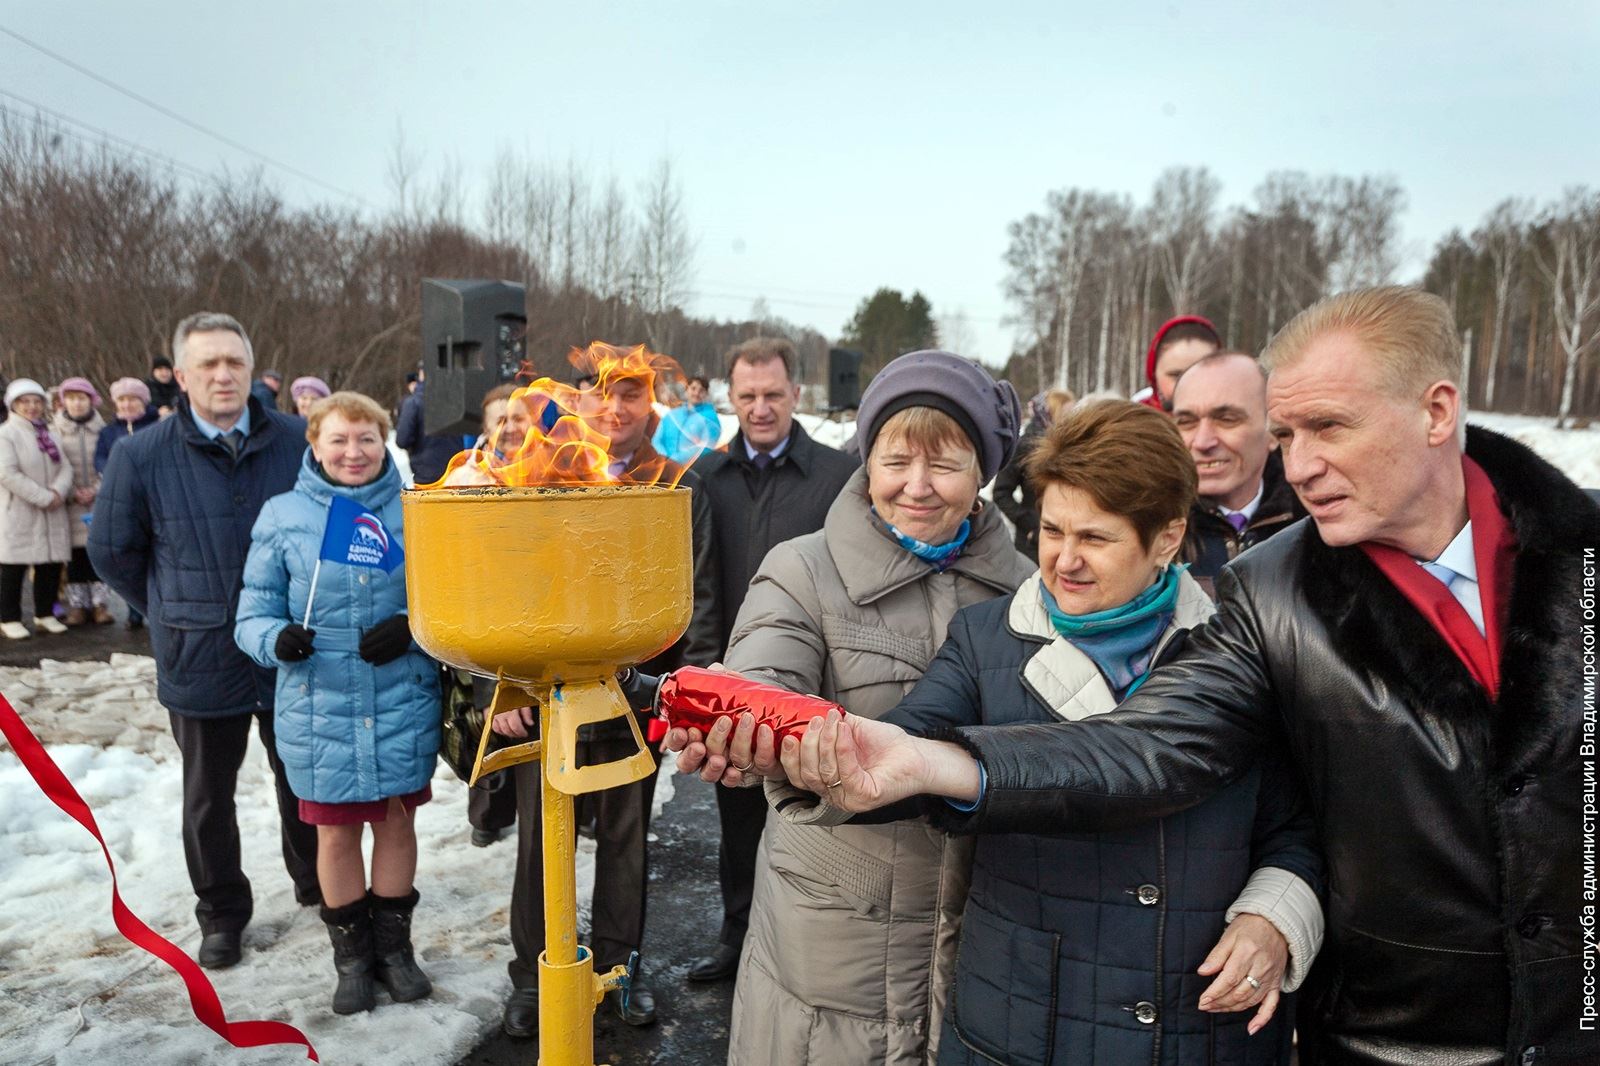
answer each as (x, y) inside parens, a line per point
(202, 997)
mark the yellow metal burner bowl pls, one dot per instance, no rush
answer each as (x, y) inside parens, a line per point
(545, 585)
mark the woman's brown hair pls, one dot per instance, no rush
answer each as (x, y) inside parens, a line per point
(1127, 457)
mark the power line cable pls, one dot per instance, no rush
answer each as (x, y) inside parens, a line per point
(169, 113)
(133, 146)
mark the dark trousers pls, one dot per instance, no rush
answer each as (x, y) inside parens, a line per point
(743, 814)
(46, 584)
(492, 802)
(80, 571)
(621, 869)
(213, 751)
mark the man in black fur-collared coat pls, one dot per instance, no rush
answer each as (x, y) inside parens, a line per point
(1418, 650)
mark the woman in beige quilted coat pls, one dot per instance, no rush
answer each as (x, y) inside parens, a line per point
(853, 928)
(35, 485)
(77, 427)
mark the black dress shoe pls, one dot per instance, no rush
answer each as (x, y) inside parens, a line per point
(482, 838)
(521, 1018)
(220, 950)
(641, 1004)
(721, 964)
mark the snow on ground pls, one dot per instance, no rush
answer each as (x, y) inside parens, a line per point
(76, 992)
(1575, 452)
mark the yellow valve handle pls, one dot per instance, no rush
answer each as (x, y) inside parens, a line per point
(583, 703)
(508, 696)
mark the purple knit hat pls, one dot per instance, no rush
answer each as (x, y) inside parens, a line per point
(79, 385)
(316, 386)
(987, 410)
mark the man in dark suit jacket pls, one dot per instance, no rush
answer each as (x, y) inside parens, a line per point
(1220, 406)
(772, 484)
(170, 533)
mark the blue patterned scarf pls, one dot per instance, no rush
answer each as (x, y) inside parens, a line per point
(938, 556)
(1121, 640)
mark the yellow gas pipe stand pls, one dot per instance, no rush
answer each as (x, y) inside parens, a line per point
(551, 591)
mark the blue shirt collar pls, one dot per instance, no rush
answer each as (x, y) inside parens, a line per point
(1458, 554)
(777, 450)
(213, 432)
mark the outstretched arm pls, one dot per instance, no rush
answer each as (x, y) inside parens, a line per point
(1198, 724)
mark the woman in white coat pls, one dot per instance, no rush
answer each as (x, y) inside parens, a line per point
(35, 484)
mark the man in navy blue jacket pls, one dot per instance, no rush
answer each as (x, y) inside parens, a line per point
(170, 532)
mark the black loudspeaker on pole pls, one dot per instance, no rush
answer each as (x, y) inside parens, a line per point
(844, 379)
(473, 337)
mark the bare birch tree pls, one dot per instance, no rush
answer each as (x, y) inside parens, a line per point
(1502, 236)
(1181, 208)
(665, 255)
(1572, 267)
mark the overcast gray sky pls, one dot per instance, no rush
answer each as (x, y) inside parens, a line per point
(826, 149)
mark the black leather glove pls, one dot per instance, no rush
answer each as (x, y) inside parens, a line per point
(386, 641)
(294, 643)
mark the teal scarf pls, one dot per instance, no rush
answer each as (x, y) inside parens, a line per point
(1121, 640)
(938, 556)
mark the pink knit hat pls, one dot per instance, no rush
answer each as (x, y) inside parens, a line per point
(79, 385)
(315, 386)
(131, 387)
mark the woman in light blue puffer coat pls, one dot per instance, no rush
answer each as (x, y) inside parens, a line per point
(357, 711)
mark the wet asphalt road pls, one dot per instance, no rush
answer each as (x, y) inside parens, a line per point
(77, 644)
(685, 913)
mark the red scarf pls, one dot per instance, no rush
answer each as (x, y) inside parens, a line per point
(1494, 546)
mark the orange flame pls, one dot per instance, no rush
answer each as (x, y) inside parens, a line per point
(556, 434)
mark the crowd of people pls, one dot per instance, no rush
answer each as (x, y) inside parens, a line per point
(1249, 707)
(48, 489)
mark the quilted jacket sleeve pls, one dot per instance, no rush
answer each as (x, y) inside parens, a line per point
(264, 600)
(121, 533)
(61, 484)
(778, 635)
(947, 694)
(19, 484)
(1287, 879)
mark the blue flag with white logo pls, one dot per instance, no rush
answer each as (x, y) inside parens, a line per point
(357, 537)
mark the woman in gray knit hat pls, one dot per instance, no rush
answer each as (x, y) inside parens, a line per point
(852, 930)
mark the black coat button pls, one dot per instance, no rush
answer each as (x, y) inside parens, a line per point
(1517, 784)
(1531, 925)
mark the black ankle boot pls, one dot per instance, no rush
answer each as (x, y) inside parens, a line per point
(391, 929)
(350, 929)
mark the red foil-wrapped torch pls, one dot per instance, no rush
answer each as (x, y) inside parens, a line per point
(694, 698)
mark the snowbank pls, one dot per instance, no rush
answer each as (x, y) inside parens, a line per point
(76, 990)
(1575, 452)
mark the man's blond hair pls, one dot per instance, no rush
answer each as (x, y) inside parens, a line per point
(1410, 333)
